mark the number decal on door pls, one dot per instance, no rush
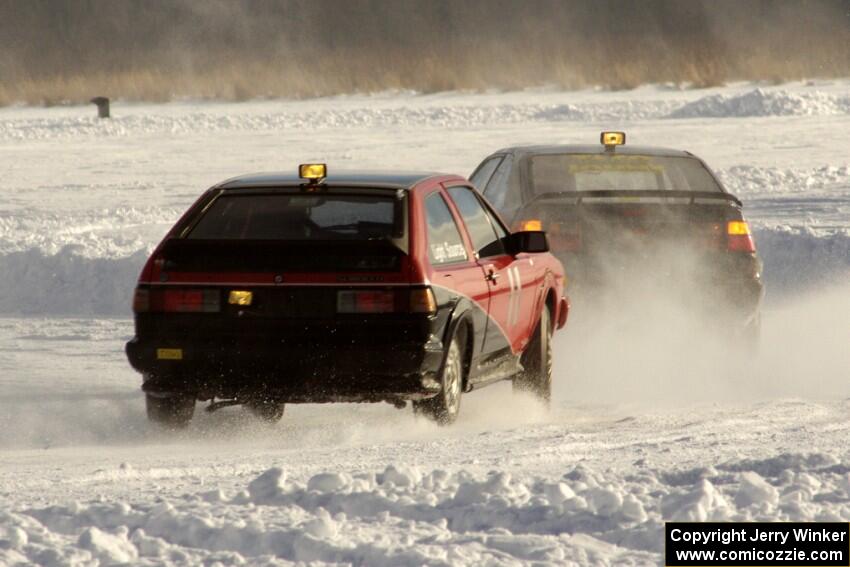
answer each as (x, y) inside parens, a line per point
(516, 296)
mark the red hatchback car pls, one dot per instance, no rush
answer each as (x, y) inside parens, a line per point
(358, 287)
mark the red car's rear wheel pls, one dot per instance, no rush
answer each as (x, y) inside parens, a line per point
(445, 406)
(536, 376)
(173, 410)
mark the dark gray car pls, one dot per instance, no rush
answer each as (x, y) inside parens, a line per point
(618, 216)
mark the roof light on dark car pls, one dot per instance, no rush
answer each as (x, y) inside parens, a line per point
(612, 139)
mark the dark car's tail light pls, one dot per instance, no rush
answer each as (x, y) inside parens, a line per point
(738, 237)
(535, 225)
(570, 241)
(408, 300)
(177, 300)
(565, 239)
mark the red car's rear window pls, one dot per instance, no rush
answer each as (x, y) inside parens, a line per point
(282, 216)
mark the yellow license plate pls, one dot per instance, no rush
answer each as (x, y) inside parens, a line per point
(169, 354)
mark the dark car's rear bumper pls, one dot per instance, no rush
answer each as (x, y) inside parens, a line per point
(334, 365)
(726, 285)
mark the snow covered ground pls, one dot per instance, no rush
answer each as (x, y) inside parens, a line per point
(644, 428)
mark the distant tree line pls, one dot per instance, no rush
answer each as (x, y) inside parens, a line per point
(62, 49)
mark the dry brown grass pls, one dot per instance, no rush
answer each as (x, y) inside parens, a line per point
(429, 73)
(553, 43)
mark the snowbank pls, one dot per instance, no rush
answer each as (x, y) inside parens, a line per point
(99, 232)
(796, 259)
(84, 202)
(67, 283)
(760, 102)
(406, 516)
(271, 117)
(748, 181)
(453, 110)
(86, 262)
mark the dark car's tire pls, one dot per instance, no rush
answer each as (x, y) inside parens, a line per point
(269, 410)
(445, 406)
(173, 411)
(536, 377)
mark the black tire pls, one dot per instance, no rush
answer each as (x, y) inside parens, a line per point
(269, 410)
(173, 411)
(536, 377)
(445, 406)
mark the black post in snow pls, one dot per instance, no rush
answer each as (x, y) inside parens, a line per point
(102, 106)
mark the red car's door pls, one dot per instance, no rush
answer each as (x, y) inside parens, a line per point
(507, 326)
(454, 269)
(526, 279)
(529, 282)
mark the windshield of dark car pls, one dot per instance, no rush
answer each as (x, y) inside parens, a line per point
(300, 216)
(618, 172)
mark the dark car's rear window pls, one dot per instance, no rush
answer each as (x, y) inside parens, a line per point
(611, 172)
(282, 216)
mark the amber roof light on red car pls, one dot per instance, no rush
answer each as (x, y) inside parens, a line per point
(314, 175)
(313, 172)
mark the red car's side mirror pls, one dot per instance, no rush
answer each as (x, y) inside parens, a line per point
(527, 241)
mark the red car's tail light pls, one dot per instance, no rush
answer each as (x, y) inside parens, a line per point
(141, 301)
(416, 300)
(150, 271)
(367, 301)
(191, 300)
(177, 300)
(738, 237)
(422, 300)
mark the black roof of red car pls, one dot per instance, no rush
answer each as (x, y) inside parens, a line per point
(388, 179)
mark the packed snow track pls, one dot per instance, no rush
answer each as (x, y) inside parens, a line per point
(650, 421)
